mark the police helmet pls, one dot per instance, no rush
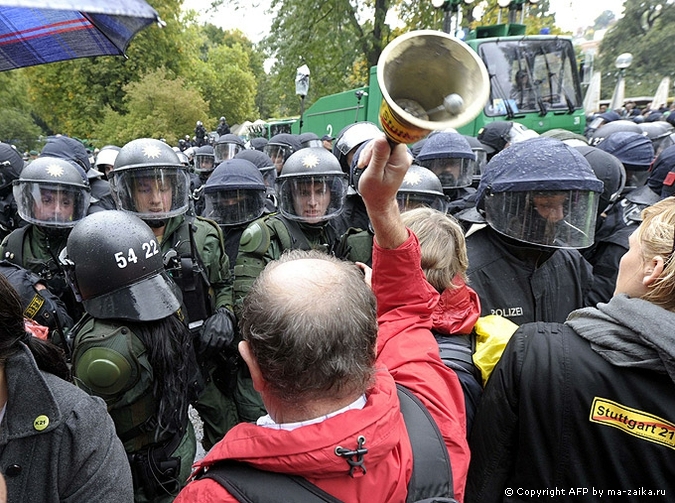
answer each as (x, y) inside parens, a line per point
(11, 165)
(119, 275)
(450, 157)
(222, 119)
(624, 126)
(205, 159)
(227, 146)
(199, 123)
(309, 140)
(234, 193)
(481, 157)
(150, 181)
(634, 150)
(609, 170)
(311, 187)
(258, 144)
(52, 192)
(350, 138)
(661, 173)
(420, 187)
(105, 159)
(659, 133)
(264, 164)
(280, 147)
(542, 192)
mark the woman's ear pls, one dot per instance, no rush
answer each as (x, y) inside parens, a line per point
(653, 270)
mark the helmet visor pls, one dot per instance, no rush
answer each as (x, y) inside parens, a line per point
(51, 205)
(269, 177)
(452, 172)
(278, 154)
(234, 207)
(312, 199)
(411, 200)
(204, 163)
(557, 219)
(152, 193)
(225, 151)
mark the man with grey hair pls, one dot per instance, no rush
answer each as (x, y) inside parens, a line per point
(328, 376)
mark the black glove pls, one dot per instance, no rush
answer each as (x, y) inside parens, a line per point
(218, 332)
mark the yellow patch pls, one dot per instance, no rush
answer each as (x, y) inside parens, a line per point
(632, 421)
(34, 306)
(41, 422)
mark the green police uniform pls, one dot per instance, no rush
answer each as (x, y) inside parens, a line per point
(267, 238)
(218, 403)
(111, 361)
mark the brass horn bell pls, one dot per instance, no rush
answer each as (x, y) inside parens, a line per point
(429, 81)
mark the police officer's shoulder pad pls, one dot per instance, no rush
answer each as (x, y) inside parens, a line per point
(256, 238)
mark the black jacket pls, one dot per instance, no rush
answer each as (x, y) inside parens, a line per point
(556, 414)
(526, 284)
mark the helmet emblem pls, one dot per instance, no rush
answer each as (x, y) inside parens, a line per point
(412, 178)
(310, 161)
(54, 170)
(151, 151)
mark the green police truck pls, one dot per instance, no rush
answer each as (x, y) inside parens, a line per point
(551, 99)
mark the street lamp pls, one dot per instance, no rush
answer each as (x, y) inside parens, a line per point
(302, 88)
(451, 7)
(623, 61)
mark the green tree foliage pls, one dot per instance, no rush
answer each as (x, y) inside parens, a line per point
(647, 31)
(17, 126)
(227, 72)
(158, 107)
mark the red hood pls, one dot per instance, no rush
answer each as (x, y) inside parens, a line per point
(457, 310)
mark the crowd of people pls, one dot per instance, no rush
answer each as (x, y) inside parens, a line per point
(470, 319)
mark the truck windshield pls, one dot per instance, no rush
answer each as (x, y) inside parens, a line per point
(531, 75)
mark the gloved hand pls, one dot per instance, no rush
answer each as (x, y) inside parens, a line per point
(218, 332)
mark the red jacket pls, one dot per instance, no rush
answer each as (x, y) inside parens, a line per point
(407, 351)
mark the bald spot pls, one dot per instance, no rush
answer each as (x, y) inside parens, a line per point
(304, 283)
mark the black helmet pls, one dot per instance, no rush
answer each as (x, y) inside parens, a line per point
(11, 165)
(227, 146)
(350, 138)
(234, 193)
(309, 140)
(634, 150)
(609, 170)
(624, 126)
(149, 180)
(541, 191)
(117, 268)
(205, 159)
(280, 147)
(264, 164)
(311, 187)
(258, 144)
(52, 192)
(420, 187)
(450, 157)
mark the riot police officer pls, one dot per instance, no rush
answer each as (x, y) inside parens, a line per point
(280, 147)
(311, 191)
(149, 181)
(227, 146)
(11, 165)
(223, 126)
(200, 134)
(52, 195)
(131, 348)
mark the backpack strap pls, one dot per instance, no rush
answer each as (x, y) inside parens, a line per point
(432, 474)
(250, 485)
